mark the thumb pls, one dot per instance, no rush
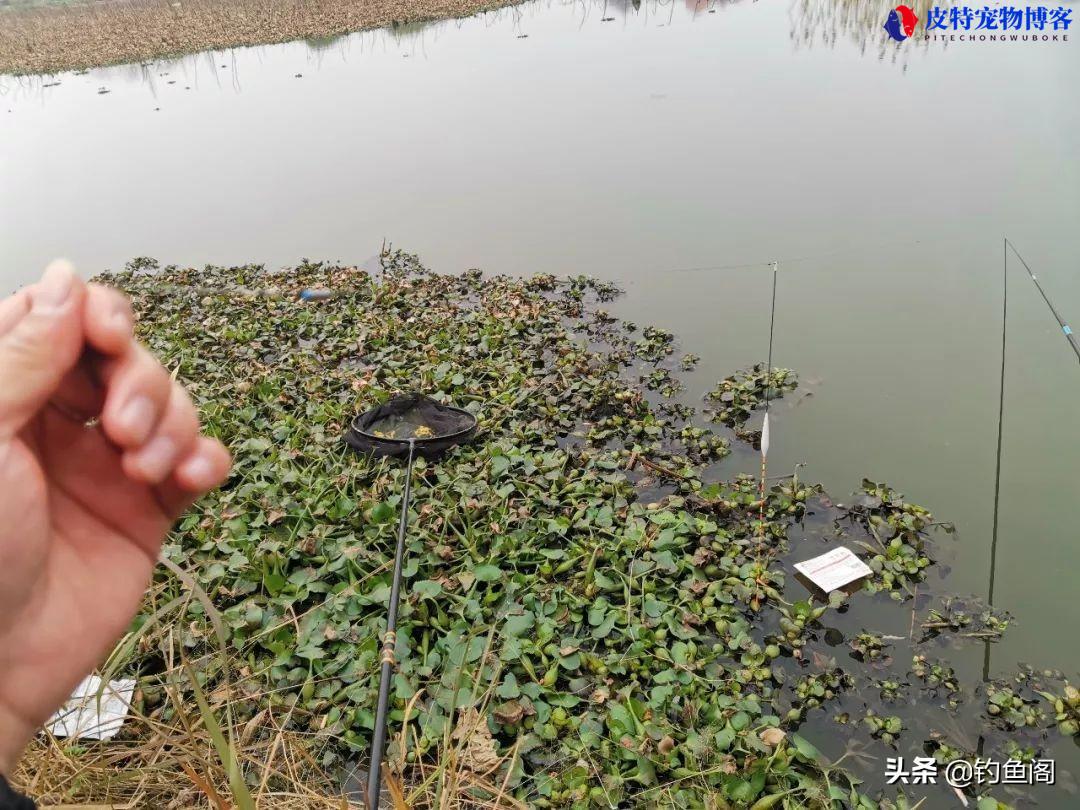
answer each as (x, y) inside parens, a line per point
(41, 340)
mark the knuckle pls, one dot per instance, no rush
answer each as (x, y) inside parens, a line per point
(117, 301)
(40, 334)
(148, 372)
(185, 416)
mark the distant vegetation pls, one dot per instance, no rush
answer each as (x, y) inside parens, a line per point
(51, 36)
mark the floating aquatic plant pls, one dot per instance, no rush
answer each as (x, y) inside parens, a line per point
(1011, 710)
(937, 676)
(1066, 708)
(600, 646)
(738, 396)
(887, 728)
(966, 619)
(816, 689)
(869, 647)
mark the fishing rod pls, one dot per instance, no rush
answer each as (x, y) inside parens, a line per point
(1061, 322)
(387, 661)
(1006, 247)
(997, 467)
(372, 433)
(765, 422)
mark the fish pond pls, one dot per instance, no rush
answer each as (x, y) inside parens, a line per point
(675, 150)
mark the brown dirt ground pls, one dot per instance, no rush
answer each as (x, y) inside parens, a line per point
(55, 38)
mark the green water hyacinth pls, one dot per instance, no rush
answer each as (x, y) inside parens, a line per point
(583, 580)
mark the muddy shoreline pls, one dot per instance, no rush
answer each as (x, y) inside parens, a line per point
(54, 39)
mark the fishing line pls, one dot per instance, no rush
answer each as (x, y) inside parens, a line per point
(718, 267)
(1006, 247)
(811, 256)
(1064, 326)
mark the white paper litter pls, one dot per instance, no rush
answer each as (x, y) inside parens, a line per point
(834, 569)
(86, 717)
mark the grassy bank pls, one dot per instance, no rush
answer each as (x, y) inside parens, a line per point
(56, 37)
(593, 616)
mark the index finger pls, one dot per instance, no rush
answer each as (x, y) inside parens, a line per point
(107, 320)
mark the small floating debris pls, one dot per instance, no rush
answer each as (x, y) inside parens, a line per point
(298, 76)
(315, 294)
(606, 19)
(85, 716)
(834, 569)
(103, 90)
(522, 36)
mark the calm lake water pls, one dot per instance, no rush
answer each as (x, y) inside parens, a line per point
(644, 144)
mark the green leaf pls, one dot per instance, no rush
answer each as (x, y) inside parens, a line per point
(382, 512)
(606, 626)
(666, 561)
(518, 625)
(487, 573)
(508, 689)
(766, 802)
(274, 583)
(570, 662)
(724, 738)
(620, 721)
(740, 790)
(805, 748)
(226, 749)
(427, 588)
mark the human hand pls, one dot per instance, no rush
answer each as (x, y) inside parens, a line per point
(83, 510)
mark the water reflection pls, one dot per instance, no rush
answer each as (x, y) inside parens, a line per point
(862, 22)
(813, 23)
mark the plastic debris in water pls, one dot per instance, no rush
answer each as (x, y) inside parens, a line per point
(315, 295)
(834, 569)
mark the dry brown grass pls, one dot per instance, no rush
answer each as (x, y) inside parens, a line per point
(81, 35)
(176, 767)
(236, 746)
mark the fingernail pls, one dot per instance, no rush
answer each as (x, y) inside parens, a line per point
(137, 418)
(55, 286)
(157, 458)
(199, 472)
(121, 321)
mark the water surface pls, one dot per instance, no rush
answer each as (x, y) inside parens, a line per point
(675, 148)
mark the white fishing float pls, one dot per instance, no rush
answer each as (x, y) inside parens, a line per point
(765, 423)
